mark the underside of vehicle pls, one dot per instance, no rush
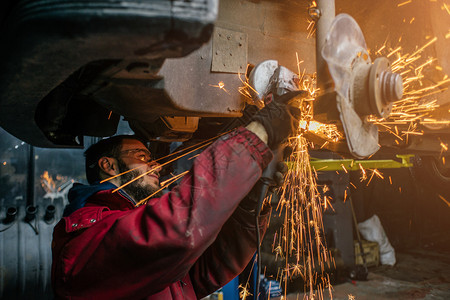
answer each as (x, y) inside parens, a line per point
(171, 69)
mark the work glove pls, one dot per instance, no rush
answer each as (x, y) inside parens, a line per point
(250, 203)
(281, 168)
(279, 175)
(278, 118)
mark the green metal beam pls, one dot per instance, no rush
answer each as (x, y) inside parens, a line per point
(354, 165)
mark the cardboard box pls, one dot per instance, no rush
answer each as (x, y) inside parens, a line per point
(371, 251)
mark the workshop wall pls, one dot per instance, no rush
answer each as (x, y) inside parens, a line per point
(411, 209)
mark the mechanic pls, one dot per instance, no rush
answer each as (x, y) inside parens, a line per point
(183, 245)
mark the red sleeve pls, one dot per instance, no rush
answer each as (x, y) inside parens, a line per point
(230, 253)
(146, 249)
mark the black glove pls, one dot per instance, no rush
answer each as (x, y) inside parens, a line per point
(281, 168)
(277, 118)
(280, 173)
(250, 203)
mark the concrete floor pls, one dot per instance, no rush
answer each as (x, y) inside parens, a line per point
(418, 274)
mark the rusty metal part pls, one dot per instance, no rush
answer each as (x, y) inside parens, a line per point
(385, 87)
(229, 51)
(182, 87)
(166, 129)
(374, 87)
(183, 124)
(359, 91)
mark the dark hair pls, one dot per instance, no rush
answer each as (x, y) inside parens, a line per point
(109, 147)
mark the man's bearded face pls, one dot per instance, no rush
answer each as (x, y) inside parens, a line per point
(137, 189)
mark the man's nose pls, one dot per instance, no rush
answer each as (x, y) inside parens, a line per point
(154, 165)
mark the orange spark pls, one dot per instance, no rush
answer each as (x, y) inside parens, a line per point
(378, 173)
(343, 167)
(443, 199)
(394, 51)
(381, 49)
(424, 46)
(221, 85)
(164, 184)
(446, 8)
(202, 144)
(364, 175)
(404, 3)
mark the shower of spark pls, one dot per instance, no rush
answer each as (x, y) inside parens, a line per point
(301, 239)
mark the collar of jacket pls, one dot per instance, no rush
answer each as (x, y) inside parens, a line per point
(95, 207)
(80, 193)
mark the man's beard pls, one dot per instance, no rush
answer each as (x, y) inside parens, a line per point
(136, 189)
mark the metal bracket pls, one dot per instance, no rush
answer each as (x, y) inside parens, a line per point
(229, 51)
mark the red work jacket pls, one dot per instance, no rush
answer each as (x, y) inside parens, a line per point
(184, 245)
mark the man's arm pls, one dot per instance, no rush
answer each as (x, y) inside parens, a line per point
(230, 253)
(258, 129)
(236, 243)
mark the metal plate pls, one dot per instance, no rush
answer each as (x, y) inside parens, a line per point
(229, 51)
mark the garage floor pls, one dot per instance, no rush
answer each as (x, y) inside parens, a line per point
(419, 274)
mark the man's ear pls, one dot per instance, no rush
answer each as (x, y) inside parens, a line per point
(108, 165)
